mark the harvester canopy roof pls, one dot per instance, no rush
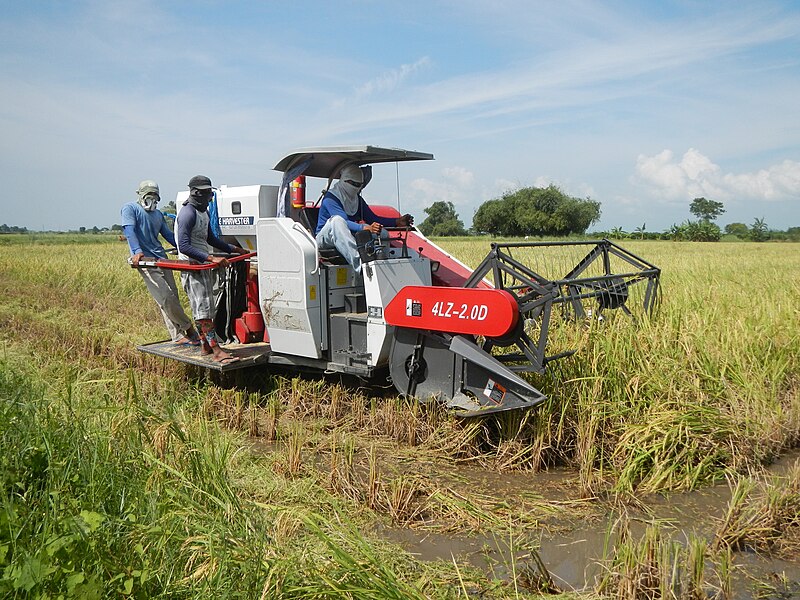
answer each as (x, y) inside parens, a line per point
(327, 161)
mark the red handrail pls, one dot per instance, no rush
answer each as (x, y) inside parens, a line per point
(185, 265)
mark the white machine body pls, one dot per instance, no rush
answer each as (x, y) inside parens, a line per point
(290, 289)
(298, 295)
(382, 280)
(239, 208)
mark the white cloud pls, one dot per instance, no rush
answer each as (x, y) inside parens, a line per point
(390, 80)
(696, 175)
(501, 186)
(459, 176)
(456, 185)
(778, 182)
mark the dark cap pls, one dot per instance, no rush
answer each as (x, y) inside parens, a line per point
(200, 182)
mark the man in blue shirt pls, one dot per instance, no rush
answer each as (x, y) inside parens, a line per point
(142, 222)
(344, 213)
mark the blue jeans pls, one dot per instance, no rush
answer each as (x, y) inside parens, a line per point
(335, 234)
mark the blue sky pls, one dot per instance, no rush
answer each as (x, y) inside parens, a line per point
(642, 106)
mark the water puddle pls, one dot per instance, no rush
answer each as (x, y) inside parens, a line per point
(572, 533)
(572, 546)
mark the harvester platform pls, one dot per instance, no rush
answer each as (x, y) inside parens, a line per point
(249, 355)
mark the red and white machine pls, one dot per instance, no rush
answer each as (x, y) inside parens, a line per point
(415, 315)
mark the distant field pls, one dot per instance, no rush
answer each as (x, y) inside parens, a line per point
(142, 454)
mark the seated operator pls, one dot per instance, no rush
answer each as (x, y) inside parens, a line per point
(344, 213)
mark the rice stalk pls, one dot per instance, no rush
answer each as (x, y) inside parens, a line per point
(269, 430)
(403, 499)
(696, 567)
(342, 475)
(294, 451)
(763, 515)
(373, 481)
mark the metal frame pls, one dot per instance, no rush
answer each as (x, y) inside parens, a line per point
(537, 294)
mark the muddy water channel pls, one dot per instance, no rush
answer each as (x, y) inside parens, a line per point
(574, 539)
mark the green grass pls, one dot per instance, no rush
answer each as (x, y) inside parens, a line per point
(124, 474)
(706, 388)
(108, 489)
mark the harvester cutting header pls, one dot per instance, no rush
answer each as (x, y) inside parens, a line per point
(412, 313)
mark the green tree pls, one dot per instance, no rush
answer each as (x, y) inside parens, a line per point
(536, 211)
(442, 220)
(618, 233)
(706, 210)
(703, 231)
(759, 231)
(494, 216)
(740, 230)
(677, 233)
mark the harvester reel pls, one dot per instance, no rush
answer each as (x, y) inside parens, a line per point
(534, 295)
(590, 279)
(613, 293)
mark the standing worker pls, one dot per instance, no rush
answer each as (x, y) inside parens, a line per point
(142, 222)
(194, 241)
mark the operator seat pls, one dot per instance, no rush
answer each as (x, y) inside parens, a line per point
(308, 217)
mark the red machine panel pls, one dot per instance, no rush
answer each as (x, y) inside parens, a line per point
(451, 272)
(474, 311)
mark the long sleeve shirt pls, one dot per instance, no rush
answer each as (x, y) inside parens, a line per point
(331, 206)
(142, 228)
(194, 235)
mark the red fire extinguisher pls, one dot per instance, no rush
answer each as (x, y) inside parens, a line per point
(297, 192)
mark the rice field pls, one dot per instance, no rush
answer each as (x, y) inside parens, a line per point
(128, 475)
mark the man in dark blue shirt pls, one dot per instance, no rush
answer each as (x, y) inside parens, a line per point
(344, 213)
(195, 240)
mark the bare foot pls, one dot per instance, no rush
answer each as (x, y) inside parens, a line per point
(223, 357)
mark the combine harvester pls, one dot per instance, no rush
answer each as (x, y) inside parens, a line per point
(416, 315)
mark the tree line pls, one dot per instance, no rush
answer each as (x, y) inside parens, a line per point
(533, 211)
(527, 211)
(12, 229)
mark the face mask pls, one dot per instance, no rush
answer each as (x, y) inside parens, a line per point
(200, 199)
(149, 202)
(353, 189)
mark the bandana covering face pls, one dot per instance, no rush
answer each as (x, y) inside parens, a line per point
(346, 192)
(149, 202)
(199, 199)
